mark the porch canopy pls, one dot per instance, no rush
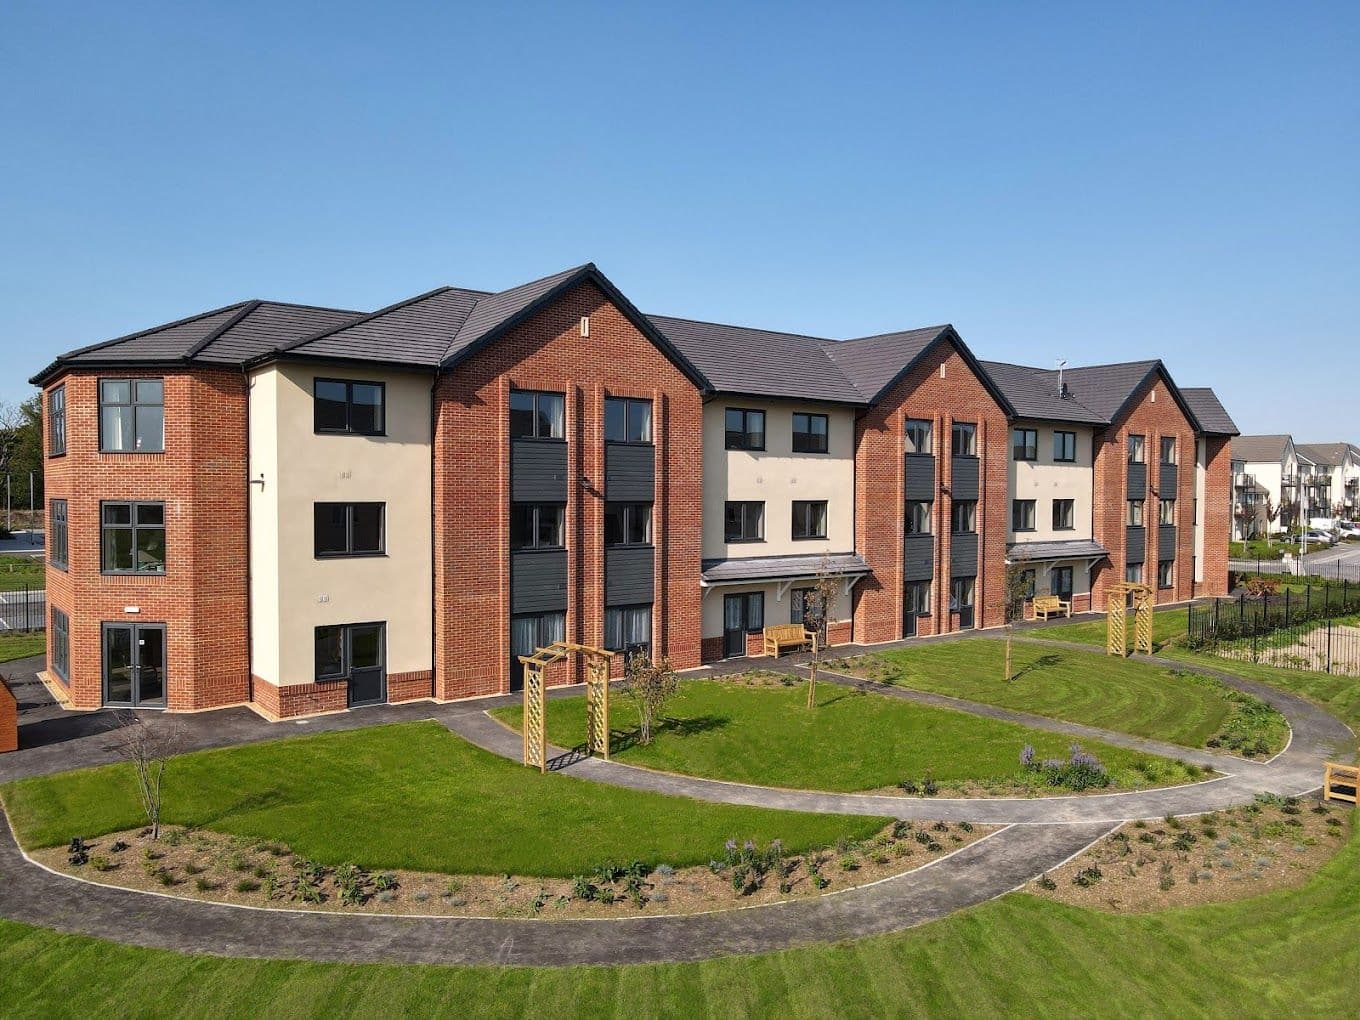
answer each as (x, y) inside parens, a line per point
(1051, 552)
(782, 570)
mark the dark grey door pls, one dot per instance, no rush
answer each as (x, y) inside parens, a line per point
(134, 665)
(367, 666)
(742, 614)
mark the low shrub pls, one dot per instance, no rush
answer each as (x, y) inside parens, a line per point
(1079, 771)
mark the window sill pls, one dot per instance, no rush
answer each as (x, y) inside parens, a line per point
(807, 538)
(539, 549)
(631, 545)
(626, 442)
(56, 456)
(351, 556)
(132, 573)
(742, 541)
(132, 453)
(746, 449)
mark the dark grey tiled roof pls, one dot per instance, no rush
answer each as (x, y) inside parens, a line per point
(493, 311)
(871, 363)
(170, 342)
(416, 331)
(1105, 388)
(1213, 417)
(1034, 393)
(1069, 549)
(1325, 453)
(771, 568)
(1260, 449)
(266, 326)
(739, 359)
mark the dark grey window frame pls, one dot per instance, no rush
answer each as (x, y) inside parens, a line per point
(1162, 512)
(536, 512)
(627, 511)
(627, 403)
(56, 421)
(960, 429)
(1162, 447)
(807, 507)
(349, 429)
(346, 662)
(746, 505)
(919, 425)
(1017, 516)
(810, 437)
(535, 436)
(1142, 448)
(1055, 588)
(954, 511)
(1142, 513)
(349, 551)
(644, 609)
(1071, 505)
(1169, 566)
(61, 644)
(133, 403)
(1024, 444)
(59, 534)
(745, 432)
(135, 528)
(1062, 441)
(928, 517)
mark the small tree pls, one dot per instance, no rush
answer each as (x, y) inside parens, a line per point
(1017, 590)
(1269, 511)
(1246, 516)
(817, 606)
(649, 685)
(149, 752)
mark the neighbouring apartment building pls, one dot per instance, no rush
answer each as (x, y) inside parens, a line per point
(308, 509)
(1279, 484)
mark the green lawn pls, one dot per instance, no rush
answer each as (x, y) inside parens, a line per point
(411, 796)
(1292, 953)
(21, 644)
(851, 741)
(19, 572)
(1167, 626)
(1257, 548)
(1081, 687)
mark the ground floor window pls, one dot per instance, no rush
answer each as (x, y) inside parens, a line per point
(354, 652)
(1060, 583)
(1133, 573)
(961, 594)
(915, 603)
(1166, 573)
(61, 644)
(628, 628)
(529, 631)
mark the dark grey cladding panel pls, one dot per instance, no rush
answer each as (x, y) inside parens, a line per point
(963, 555)
(1166, 542)
(964, 481)
(630, 472)
(1137, 481)
(918, 559)
(1135, 545)
(538, 471)
(1166, 483)
(538, 581)
(629, 575)
(919, 476)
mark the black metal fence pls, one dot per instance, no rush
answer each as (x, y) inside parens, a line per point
(1337, 570)
(1314, 629)
(25, 609)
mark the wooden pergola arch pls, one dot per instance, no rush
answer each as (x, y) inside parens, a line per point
(1117, 599)
(597, 699)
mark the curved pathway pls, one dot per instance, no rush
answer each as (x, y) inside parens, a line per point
(1039, 835)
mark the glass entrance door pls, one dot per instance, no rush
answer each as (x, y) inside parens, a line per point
(367, 672)
(134, 665)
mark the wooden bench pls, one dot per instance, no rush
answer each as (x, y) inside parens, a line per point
(1341, 782)
(788, 635)
(1050, 605)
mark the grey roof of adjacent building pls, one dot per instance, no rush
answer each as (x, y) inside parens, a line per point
(1068, 549)
(1212, 415)
(1036, 393)
(412, 332)
(1268, 449)
(773, 568)
(873, 363)
(1326, 453)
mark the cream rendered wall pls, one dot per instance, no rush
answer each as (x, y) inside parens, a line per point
(776, 610)
(1045, 480)
(777, 477)
(304, 468)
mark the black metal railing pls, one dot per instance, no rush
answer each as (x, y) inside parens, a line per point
(1314, 628)
(24, 609)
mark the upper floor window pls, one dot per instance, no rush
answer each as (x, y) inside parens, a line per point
(1135, 513)
(1063, 514)
(1064, 447)
(965, 439)
(1022, 515)
(343, 405)
(627, 420)
(745, 429)
(535, 415)
(347, 529)
(809, 518)
(1166, 511)
(963, 516)
(917, 435)
(1025, 444)
(1168, 449)
(133, 538)
(131, 416)
(58, 537)
(918, 518)
(1136, 455)
(56, 422)
(628, 524)
(810, 432)
(537, 525)
(743, 521)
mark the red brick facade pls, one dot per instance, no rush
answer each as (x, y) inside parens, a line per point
(1215, 513)
(471, 487)
(942, 397)
(9, 719)
(201, 478)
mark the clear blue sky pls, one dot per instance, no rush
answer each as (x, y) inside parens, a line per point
(1078, 181)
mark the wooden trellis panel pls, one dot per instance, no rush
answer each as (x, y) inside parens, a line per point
(597, 706)
(1116, 618)
(1142, 625)
(597, 699)
(1115, 638)
(535, 739)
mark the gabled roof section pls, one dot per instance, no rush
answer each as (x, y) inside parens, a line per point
(170, 342)
(759, 362)
(413, 332)
(1213, 417)
(1269, 449)
(1326, 453)
(1036, 393)
(265, 326)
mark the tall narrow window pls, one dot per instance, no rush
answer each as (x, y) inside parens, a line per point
(1022, 515)
(131, 416)
(1166, 573)
(61, 644)
(535, 415)
(627, 524)
(810, 433)
(918, 436)
(1063, 514)
(1168, 449)
(1064, 447)
(56, 421)
(745, 430)
(963, 516)
(1135, 513)
(627, 420)
(133, 539)
(1136, 453)
(743, 521)
(918, 518)
(347, 529)
(809, 518)
(1025, 444)
(1167, 511)
(58, 536)
(964, 439)
(1060, 582)
(537, 525)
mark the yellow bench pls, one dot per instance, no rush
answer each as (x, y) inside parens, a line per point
(1341, 782)
(1050, 605)
(788, 635)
